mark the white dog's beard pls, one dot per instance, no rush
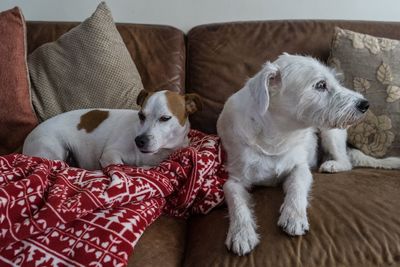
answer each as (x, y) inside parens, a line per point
(347, 119)
(343, 113)
(334, 118)
(339, 113)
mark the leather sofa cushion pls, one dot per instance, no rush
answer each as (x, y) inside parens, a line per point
(354, 221)
(158, 51)
(222, 56)
(162, 244)
(159, 55)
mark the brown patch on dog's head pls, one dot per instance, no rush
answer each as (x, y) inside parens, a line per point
(142, 97)
(183, 105)
(193, 103)
(176, 104)
(92, 119)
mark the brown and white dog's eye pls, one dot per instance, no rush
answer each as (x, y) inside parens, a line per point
(321, 85)
(142, 117)
(164, 118)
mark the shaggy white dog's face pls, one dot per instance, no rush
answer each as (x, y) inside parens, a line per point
(311, 93)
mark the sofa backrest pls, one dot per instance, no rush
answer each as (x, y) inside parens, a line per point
(222, 56)
(158, 51)
(217, 58)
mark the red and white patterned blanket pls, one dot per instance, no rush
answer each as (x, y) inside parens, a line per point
(55, 215)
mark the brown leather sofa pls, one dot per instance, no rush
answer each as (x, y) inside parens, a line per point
(354, 216)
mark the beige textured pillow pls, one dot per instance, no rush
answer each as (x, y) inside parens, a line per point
(371, 66)
(87, 67)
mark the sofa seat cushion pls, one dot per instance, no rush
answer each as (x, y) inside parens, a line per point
(354, 221)
(162, 244)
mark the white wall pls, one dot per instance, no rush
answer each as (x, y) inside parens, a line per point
(185, 14)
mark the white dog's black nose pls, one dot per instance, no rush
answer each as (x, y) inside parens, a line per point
(362, 105)
(141, 140)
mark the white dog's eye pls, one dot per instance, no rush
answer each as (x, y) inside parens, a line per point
(321, 85)
(165, 118)
(142, 117)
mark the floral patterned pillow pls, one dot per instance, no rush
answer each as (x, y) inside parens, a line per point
(371, 66)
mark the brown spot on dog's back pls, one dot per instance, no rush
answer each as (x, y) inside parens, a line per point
(92, 119)
(176, 104)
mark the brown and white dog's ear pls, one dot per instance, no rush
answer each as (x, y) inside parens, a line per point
(193, 103)
(142, 97)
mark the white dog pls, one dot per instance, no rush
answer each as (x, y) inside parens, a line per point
(100, 137)
(268, 129)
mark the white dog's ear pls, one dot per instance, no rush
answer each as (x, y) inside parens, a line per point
(267, 80)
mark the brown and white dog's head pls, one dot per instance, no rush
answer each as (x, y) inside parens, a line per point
(164, 119)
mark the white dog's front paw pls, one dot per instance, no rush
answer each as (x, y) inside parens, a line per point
(333, 166)
(241, 240)
(292, 221)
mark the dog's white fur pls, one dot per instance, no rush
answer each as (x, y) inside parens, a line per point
(268, 129)
(113, 140)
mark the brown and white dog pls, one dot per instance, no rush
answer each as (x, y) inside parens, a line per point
(96, 138)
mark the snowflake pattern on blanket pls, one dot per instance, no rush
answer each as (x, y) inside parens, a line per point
(55, 215)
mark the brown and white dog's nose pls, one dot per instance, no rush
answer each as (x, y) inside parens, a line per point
(141, 141)
(362, 105)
